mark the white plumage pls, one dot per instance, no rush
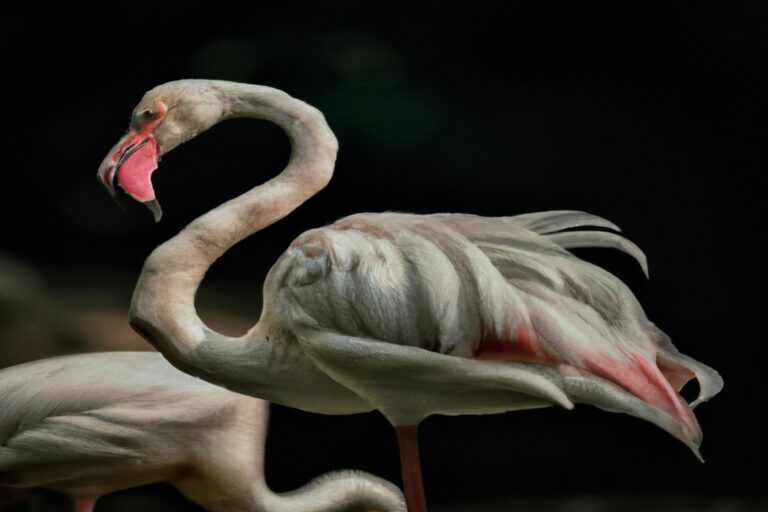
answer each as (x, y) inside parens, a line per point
(481, 288)
(91, 424)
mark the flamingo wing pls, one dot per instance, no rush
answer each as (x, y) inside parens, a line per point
(92, 413)
(500, 289)
(408, 384)
(570, 277)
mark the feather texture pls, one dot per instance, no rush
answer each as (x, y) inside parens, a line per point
(585, 239)
(91, 424)
(493, 288)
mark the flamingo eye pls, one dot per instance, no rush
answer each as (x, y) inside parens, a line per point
(144, 116)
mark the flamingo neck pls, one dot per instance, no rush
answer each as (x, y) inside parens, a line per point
(163, 304)
(337, 490)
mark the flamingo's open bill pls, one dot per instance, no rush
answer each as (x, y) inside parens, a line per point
(129, 165)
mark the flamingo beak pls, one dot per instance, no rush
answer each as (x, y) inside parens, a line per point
(129, 167)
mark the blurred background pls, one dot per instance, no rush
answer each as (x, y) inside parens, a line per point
(650, 117)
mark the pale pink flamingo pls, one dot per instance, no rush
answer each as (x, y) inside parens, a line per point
(90, 424)
(411, 315)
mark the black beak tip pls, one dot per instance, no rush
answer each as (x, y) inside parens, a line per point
(154, 207)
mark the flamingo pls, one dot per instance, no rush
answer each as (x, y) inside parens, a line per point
(91, 424)
(411, 315)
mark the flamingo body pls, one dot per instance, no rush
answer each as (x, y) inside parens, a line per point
(92, 424)
(504, 289)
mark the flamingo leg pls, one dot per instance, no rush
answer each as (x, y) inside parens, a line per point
(410, 464)
(84, 503)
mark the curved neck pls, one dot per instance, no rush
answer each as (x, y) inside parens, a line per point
(163, 304)
(337, 490)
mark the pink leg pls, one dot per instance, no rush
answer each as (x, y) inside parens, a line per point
(84, 503)
(408, 439)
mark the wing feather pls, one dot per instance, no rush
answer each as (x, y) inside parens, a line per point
(598, 239)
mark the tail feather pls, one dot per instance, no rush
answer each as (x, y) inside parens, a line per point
(498, 234)
(478, 227)
(550, 222)
(645, 380)
(528, 252)
(622, 362)
(710, 381)
(586, 239)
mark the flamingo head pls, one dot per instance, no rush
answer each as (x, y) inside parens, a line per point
(167, 116)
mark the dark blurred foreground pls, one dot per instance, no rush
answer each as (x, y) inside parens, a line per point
(162, 498)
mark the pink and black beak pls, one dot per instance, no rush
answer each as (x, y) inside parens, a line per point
(128, 167)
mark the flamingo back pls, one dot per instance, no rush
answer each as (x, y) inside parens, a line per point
(492, 288)
(112, 420)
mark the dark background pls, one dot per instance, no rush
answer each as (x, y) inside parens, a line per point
(651, 117)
